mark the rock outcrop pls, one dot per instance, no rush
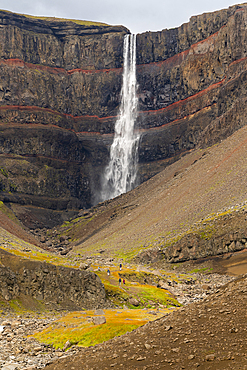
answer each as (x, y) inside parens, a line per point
(192, 247)
(225, 233)
(60, 85)
(52, 286)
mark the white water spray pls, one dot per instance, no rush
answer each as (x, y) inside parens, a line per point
(121, 173)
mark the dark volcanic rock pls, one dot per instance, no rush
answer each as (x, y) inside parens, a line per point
(222, 234)
(193, 247)
(60, 84)
(55, 286)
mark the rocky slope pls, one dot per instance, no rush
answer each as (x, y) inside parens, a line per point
(27, 353)
(59, 97)
(205, 335)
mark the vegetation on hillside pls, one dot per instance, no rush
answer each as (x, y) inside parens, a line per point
(55, 19)
(78, 327)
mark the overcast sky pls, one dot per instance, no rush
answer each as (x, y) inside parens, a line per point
(137, 15)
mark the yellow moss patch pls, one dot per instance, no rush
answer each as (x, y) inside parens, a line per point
(37, 256)
(78, 328)
(134, 287)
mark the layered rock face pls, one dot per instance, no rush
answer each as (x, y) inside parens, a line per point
(60, 85)
(192, 83)
(58, 80)
(54, 286)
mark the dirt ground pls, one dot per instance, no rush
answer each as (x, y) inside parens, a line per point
(232, 264)
(236, 264)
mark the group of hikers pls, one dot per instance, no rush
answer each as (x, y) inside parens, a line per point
(119, 280)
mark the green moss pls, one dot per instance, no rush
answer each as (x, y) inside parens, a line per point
(204, 228)
(84, 336)
(106, 331)
(4, 172)
(201, 270)
(12, 187)
(128, 255)
(159, 296)
(115, 294)
(207, 233)
(8, 212)
(16, 305)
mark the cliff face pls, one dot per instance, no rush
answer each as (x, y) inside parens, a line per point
(58, 79)
(54, 286)
(60, 85)
(192, 78)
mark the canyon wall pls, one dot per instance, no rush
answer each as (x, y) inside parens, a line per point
(60, 85)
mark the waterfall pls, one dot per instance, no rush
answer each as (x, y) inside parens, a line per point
(120, 175)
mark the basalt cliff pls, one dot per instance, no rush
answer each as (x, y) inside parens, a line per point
(60, 84)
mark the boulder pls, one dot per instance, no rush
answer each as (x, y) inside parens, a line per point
(84, 266)
(134, 302)
(67, 345)
(99, 320)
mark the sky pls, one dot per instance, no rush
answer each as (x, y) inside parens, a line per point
(137, 15)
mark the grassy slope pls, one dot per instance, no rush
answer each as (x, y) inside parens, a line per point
(147, 294)
(54, 19)
(199, 186)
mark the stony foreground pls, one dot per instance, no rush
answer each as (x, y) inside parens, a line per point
(17, 351)
(20, 350)
(204, 335)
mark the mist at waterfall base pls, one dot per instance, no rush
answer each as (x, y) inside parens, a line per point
(120, 175)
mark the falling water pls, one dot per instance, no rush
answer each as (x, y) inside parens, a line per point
(120, 175)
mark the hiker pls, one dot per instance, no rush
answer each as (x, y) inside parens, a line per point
(108, 272)
(119, 280)
(123, 281)
(98, 268)
(120, 266)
